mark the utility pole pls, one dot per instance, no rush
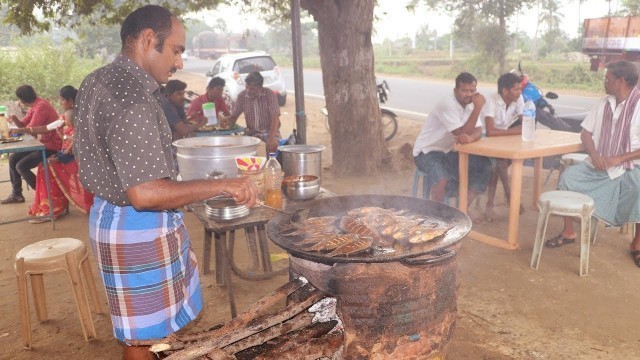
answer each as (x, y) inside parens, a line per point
(296, 41)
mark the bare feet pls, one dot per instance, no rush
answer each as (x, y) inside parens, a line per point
(490, 215)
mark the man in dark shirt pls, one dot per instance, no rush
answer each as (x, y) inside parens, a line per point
(123, 147)
(40, 113)
(261, 111)
(173, 107)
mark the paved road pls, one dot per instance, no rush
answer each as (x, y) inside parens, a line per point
(413, 98)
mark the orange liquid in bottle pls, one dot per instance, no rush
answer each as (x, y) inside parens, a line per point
(273, 198)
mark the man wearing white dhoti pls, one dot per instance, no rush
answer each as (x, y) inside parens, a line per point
(611, 174)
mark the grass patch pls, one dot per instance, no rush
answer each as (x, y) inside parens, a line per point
(45, 67)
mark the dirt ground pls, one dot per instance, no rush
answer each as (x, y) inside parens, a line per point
(506, 310)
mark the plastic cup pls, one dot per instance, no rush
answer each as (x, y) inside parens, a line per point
(209, 111)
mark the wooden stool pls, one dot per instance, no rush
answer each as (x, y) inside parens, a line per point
(566, 203)
(51, 255)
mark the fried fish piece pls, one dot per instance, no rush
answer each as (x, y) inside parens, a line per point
(314, 239)
(334, 242)
(314, 230)
(357, 245)
(423, 234)
(319, 221)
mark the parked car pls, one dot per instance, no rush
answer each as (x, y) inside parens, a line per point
(234, 68)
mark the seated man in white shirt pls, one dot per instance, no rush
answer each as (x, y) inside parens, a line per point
(455, 119)
(502, 115)
(611, 174)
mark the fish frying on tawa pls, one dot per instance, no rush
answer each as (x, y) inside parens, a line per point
(311, 226)
(334, 242)
(364, 227)
(357, 245)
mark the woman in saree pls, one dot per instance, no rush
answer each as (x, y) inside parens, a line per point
(63, 169)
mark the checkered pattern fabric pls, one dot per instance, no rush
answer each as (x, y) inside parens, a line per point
(148, 268)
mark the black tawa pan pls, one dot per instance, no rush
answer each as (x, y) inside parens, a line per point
(436, 214)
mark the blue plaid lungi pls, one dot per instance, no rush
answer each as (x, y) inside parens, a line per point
(617, 201)
(148, 268)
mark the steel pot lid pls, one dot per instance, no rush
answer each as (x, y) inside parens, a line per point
(435, 213)
(301, 149)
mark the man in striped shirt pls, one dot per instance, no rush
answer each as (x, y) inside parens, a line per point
(261, 111)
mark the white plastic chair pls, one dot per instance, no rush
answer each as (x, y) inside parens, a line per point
(566, 203)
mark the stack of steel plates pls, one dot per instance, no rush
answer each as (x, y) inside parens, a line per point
(224, 208)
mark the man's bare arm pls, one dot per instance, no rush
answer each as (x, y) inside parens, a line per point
(469, 138)
(598, 161)
(470, 125)
(493, 131)
(165, 194)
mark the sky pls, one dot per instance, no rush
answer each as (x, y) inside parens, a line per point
(396, 22)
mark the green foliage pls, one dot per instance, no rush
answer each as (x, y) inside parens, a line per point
(40, 15)
(45, 67)
(479, 65)
(631, 7)
(97, 41)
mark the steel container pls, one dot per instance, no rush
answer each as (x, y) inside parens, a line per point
(301, 187)
(198, 156)
(302, 160)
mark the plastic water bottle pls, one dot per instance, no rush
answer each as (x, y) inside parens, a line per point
(273, 182)
(529, 121)
(209, 111)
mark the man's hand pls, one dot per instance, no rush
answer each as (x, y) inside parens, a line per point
(241, 189)
(613, 161)
(226, 121)
(464, 139)
(478, 100)
(13, 119)
(272, 144)
(200, 122)
(16, 131)
(599, 162)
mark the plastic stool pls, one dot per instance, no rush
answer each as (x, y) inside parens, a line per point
(425, 188)
(51, 255)
(566, 203)
(416, 179)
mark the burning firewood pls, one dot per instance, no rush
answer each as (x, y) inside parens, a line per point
(258, 308)
(288, 341)
(244, 326)
(298, 322)
(323, 347)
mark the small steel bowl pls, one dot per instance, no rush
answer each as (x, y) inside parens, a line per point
(301, 187)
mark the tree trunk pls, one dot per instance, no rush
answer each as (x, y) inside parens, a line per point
(502, 50)
(346, 57)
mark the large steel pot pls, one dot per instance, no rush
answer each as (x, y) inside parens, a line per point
(302, 160)
(198, 156)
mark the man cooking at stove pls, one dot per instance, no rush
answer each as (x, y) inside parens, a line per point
(123, 146)
(261, 111)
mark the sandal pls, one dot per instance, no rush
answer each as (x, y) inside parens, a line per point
(635, 255)
(558, 241)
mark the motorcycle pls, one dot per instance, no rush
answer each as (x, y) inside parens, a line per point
(545, 113)
(389, 118)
